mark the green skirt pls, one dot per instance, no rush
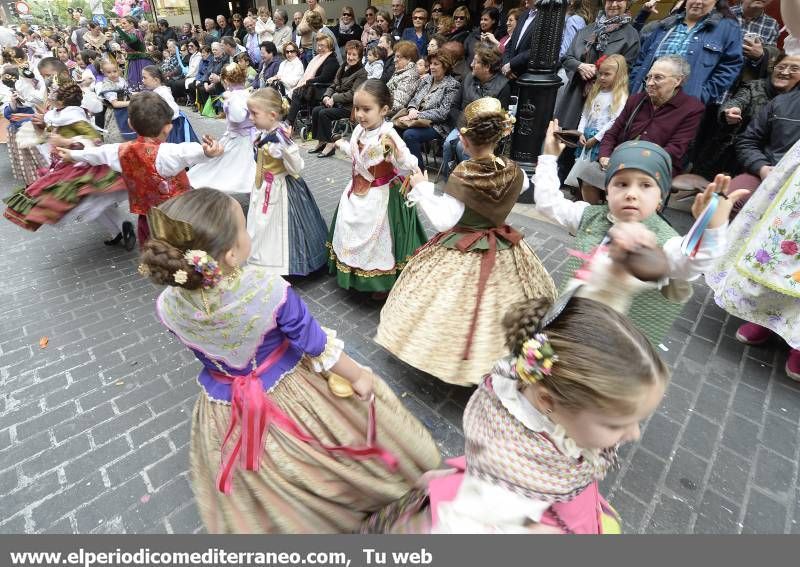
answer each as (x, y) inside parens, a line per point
(407, 236)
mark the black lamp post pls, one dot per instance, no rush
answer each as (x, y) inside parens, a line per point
(538, 86)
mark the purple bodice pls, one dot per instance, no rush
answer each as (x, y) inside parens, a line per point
(295, 323)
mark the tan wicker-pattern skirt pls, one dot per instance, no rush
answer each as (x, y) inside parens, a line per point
(299, 488)
(427, 316)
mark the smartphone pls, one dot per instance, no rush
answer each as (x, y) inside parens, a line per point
(512, 105)
(752, 37)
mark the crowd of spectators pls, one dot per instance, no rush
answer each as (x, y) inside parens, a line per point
(707, 81)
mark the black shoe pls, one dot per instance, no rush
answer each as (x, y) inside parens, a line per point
(318, 149)
(128, 235)
(114, 241)
(327, 154)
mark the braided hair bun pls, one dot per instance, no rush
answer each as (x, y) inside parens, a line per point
(70, 94)
(487, 129)
(522, 321)
(162, 261)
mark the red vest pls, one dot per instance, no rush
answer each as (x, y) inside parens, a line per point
(146, 188)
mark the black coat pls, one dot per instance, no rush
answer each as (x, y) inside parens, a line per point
(518, 48)
(388, 69)
(342, 38)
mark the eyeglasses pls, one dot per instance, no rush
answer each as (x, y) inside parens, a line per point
(417, 17)
(656, 78)
(459, 17)
(437, 10)
(616, 1)
(791, 69)
(346, 14)
(369, 15)
(288, 51)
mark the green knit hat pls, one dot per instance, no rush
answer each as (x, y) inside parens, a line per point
(648, 157)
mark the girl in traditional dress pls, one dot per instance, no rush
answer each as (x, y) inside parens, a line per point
(373, 233)
(132, 43)
(182, 131)
(486, 263)
(275, 447)
(113, 91)
(542, 428)
(283, 219)
(233, 171)
(73, 192)
(25, 161)
(758, 276)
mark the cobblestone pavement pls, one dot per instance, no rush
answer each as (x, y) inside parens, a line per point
(94, 428)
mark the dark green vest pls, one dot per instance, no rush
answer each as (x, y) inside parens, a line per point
(650, 311)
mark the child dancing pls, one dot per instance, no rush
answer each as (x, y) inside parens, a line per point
(373, 233)
(486, 263)
(283, 219)
(72, 192)
(233, 171)
(152, 170)
(113, 91)
(638, 177)
(543, 427)
(274, 447)
(182, 131)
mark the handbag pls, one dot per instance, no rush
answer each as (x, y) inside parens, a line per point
(418, 123)
(208, 108)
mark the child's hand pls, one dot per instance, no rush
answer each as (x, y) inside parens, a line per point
(211, 147)
(590, 143)
(364, 386)
(418, 177)
(65, 154)
(630, 236)
(720, 185)
(552, 145)
(604, 162)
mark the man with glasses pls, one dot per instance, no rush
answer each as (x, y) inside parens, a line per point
(348, 28)
(401, 20)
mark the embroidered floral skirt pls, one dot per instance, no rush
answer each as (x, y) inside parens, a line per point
(427, 317)
(299, 488)
(407, 235)
(758, 277)
(60, 191)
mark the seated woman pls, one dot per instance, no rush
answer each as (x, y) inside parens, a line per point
(663, 114)
(338, 99)
(511, 24)
(428, 110)
(290, 71)
(405, 80)
(321, 70)
(717, 152)
(418, 34)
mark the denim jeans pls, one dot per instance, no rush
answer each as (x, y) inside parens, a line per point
(415, 137)
(452, 150)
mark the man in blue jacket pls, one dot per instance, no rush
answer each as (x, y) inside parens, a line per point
(709, 38)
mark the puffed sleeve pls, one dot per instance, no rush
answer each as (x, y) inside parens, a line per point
(300, 327)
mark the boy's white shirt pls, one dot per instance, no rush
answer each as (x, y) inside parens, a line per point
(552, 204)
(170, 160)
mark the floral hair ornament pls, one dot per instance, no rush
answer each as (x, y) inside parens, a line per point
(536, 359)
(205, 265)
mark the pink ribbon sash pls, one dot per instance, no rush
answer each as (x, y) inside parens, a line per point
(256, 411)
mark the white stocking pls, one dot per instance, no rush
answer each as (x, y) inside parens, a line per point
(112, 220)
